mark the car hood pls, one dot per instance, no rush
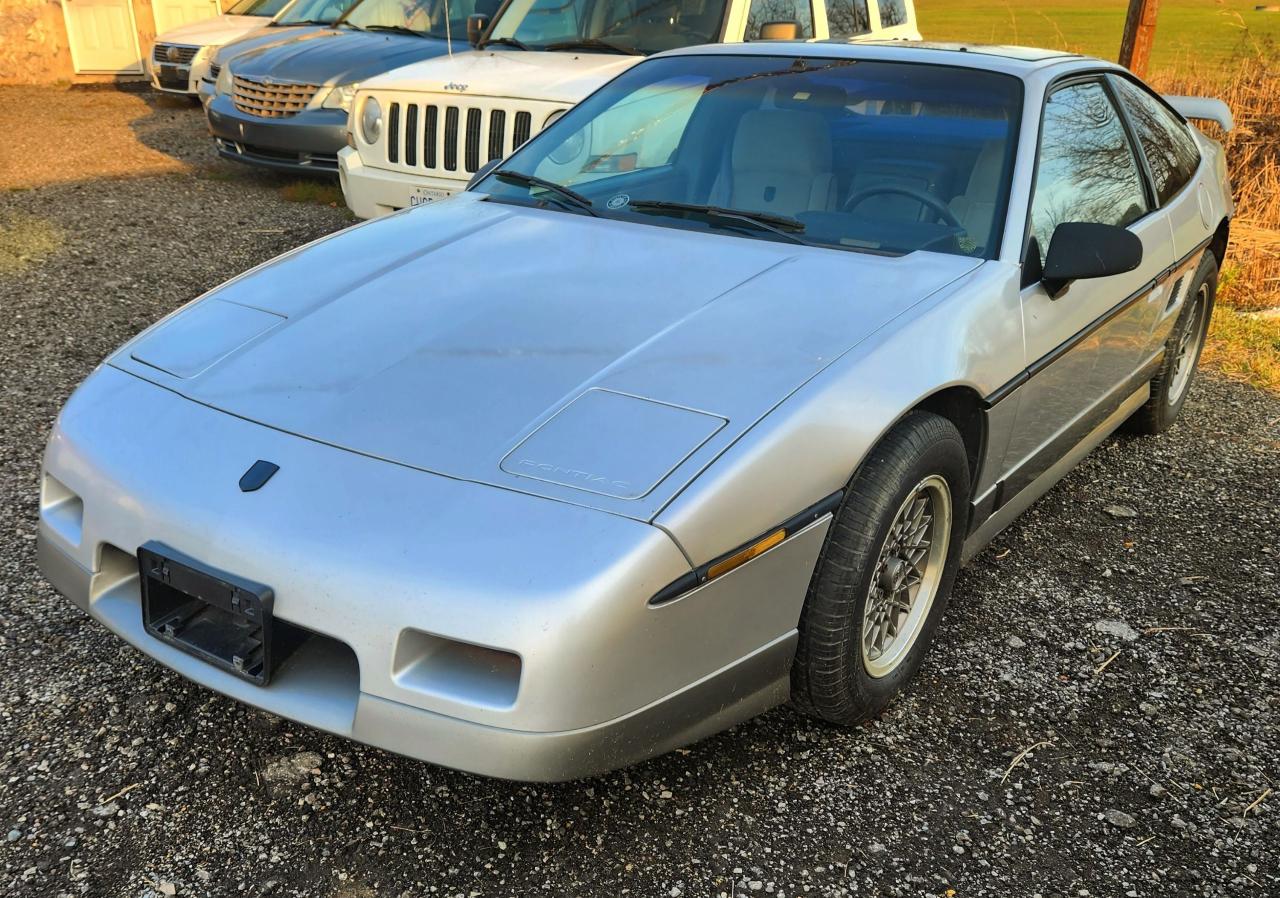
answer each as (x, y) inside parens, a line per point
(265, 36)
(593, 361)
(213, 32)
(532, 75)
(336, 56)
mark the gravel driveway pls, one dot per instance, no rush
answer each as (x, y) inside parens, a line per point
(1100, 716)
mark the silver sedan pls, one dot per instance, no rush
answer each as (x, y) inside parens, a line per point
(692, 406)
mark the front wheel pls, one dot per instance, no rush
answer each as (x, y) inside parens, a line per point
(885, 573)
(1172, 381)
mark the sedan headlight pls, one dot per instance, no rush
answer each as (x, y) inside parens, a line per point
(371, 120)
(224, 83)
(340, 97)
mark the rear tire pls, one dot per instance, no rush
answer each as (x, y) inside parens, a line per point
(885, 573)
(1173, 379)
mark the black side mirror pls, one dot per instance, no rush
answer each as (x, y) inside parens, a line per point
(482, 171)
(1081, 249)
(476, 24)
(780, 31)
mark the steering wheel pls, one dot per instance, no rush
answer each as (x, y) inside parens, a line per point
(933, 202)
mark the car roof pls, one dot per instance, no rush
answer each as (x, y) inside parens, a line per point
(1020, 61)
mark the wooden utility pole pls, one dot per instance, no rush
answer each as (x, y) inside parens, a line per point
(1139, 35)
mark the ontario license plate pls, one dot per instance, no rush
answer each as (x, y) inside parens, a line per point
(425, 196)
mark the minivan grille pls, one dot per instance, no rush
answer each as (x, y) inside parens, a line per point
(271, 99)
(452, 138)
(181, 55)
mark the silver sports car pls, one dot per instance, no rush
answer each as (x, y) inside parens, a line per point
(690, 407)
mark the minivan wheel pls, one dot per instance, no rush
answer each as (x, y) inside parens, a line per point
(885, 573)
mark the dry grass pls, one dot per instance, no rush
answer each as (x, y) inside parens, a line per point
(1245, 339)
(322, 193)
(25, 239)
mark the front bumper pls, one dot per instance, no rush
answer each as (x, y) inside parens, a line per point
(183, 80)
(371, 192)
(306, 143)
(393, 569)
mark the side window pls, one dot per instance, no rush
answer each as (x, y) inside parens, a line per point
(892, 12)
(1087, 170)
(762, 12)
(1170, 149)
(846, 18)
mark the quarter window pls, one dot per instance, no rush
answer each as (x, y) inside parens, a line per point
(892, 12)
(1167, 143)
(762, 12)
(1087, 169)
(846, 18)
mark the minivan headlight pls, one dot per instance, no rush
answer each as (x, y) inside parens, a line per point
(371, 120)
(340, 97)
(224, 83)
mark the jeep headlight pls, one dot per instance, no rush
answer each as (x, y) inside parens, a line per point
(340, 97)
(224, 83)
(572, 146)
(371, 120)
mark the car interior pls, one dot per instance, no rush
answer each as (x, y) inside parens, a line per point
(877, 163)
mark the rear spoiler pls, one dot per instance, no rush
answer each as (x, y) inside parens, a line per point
(1204, 109)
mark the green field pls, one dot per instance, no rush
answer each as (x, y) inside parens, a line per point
(1189, 31)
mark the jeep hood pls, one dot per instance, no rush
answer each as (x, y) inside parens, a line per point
(529, 75)
(593, 361)
(336, 56)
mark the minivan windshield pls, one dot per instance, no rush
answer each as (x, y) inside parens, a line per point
(608, 26)
(313, 12)
(872, 156)
(426, 18)
(257, 8)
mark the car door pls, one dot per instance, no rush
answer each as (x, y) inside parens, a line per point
(1084, 348)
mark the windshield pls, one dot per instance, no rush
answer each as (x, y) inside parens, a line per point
(643, 26)
(257, 7)
(429, 18)
(313, 12)
(874, 156)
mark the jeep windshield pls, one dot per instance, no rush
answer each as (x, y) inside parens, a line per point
(426, 18)
(869, 156)
(608, 26)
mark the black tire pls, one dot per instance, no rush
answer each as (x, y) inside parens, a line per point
(829, 678)
(1160, 411)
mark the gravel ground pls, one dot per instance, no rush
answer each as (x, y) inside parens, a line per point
(1098, 718)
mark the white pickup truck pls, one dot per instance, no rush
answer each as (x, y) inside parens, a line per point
(417, 134)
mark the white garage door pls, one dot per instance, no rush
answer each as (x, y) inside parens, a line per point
(172, 13)
(103, 35)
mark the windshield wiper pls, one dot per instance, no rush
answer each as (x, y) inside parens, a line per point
(574, 198)
(303, 22)
(782, 225)
(505, 41)
(594, 43)
(398, 29)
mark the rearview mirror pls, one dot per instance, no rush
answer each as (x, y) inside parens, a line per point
(780, 31)
(1080, 249)
(476, 24)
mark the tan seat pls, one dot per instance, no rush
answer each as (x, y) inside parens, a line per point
(781, 163)
(976, 207)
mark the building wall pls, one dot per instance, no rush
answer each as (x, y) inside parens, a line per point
(33, 42)
(34, 47)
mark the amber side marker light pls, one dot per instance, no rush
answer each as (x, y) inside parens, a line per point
(741, 558)
(730, 561)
